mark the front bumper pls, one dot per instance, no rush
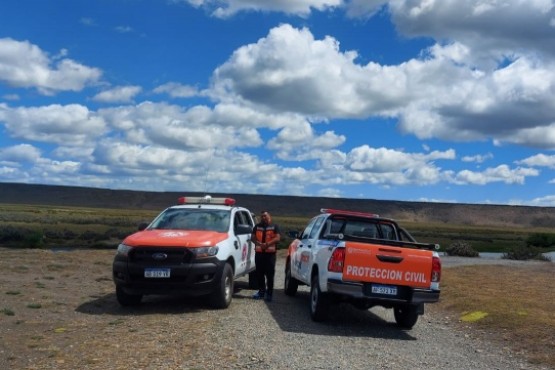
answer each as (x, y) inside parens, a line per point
(187, 277)
(362, 291)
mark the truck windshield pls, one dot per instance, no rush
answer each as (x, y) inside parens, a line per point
(192, 219)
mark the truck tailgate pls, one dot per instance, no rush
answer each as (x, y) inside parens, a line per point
(385, 264)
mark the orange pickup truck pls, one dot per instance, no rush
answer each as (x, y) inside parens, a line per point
(365, 260)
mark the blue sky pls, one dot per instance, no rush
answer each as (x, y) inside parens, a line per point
(432, 100)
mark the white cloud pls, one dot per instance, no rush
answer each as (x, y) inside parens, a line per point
(25, 65)
(87, 21)
(487, 25)
(290, 71)
(478, 158)
(539, 160)
(17, 154)
(227, 8)
(299, 142)
(172, 126)
(12, 97)
(330, 193)
(501, 173)
(118, 94)
(124, 29)
(71, 125)
(176, 90)
(546, 201)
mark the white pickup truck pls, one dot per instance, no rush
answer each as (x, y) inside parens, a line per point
(365, 260)
(198, 247)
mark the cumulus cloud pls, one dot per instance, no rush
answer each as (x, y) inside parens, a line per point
(539, 160)
(118, 94)
(227, 8)
(392, 167)
(71, 125)
(176, 90)
(478, 158)
(172, 126)
(482, 79)
(502, 173)
(17, 154)
(291, 71)
(546, 201)
(489, 26)
(25, 65)
(299, 142)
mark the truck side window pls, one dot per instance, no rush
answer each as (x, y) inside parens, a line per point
(306, 231)
(388, 231)
(316, 228)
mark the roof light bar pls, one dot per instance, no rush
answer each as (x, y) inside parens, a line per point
(347, 213)
(207, 199)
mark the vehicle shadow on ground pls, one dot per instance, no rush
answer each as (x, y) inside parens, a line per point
(292, 314)
(152, 304)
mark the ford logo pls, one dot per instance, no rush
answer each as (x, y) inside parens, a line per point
(159, 256)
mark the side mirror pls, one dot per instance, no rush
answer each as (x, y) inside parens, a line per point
(142, 226)
(243, 229)
(293, 234)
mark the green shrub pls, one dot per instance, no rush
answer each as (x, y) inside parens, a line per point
(11, 234)
(35, 239)
(7, 312)
(462, 249)
(541, 240)
(524, 253)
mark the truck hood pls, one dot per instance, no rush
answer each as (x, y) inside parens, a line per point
(175, 238)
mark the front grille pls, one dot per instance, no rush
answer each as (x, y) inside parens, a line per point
(172, 256)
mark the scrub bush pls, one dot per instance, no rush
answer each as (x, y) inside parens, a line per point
(541, 240)
(524, 253)
(462, 249)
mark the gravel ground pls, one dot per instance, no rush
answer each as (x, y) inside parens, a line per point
(79, 325)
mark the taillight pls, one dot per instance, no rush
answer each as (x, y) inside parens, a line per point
(337, 260)
(436, 270)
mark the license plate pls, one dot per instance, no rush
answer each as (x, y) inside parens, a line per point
(384, 289)
(157, 273)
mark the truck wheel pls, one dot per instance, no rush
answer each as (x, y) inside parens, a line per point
(221, 297)
(125, 299)
(406, 316)
(253, 282)
(319, 301)
(291, 284)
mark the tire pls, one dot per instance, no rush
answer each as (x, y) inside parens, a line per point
(221, 297)
(253, 282)
(125, 299)
(290, 284)
(319, 301)
(406, 316)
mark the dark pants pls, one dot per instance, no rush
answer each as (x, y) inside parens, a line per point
(265, 271)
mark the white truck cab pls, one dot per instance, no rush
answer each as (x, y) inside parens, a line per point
(197, 247)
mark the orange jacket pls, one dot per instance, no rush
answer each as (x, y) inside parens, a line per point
(263, 233)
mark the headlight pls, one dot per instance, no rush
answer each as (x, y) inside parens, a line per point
(123, 250)
(204, 252)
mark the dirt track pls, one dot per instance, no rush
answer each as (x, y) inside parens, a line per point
(59, 311)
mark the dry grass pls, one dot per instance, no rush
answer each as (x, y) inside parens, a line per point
(514, 303)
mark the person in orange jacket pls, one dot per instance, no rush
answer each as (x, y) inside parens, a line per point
(265, 236)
